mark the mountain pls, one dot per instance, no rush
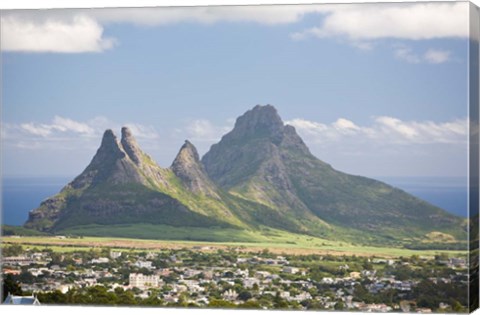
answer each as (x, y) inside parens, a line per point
(260, 176)
(122, 184)
(265, 161)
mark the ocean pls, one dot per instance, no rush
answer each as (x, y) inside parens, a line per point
(22, 194)
(448, 193)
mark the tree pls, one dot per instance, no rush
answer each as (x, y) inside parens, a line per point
(55, 297)
(26, 277)
(218, 303)
(250, 304)
(339, 306)
(279, 303)
(10, 286)
(245, 295)
(12, 250)
(457, 307)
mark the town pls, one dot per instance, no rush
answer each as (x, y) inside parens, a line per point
(215, 278)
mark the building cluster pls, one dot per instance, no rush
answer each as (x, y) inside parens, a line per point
(176, 277)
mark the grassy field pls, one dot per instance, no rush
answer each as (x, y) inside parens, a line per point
(274, 240)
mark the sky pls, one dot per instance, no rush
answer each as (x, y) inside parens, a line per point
(374, 90)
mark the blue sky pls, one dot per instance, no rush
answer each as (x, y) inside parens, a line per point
(373, 90)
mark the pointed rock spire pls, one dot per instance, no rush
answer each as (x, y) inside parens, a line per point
(110, 164)
(109, 148)
(131, 146)
(187, 155)
(188, 168)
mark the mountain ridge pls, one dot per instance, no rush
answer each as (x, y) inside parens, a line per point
(261, 173)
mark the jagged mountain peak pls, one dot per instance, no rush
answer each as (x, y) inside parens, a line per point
(187, 157)
(188, 168)
(131, 146)
(109, 149)
(188, 149)
(260, 121)
(259, 135)
(109, 141)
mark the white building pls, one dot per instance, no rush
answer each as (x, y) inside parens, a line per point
(250, 282)
(21, 300)
(142, 281)
(101, 260)
(144, 264)
(290, 270)
(262, 274)
(115, 255)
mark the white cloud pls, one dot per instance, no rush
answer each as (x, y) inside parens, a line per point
(416, 21)
(77, 31)
(77, 34)
(393, 125)
(384, 130)
(37, 130)
(66, 124)
(437, 56)
(343, 124)
(268, 14)
(432, 56)
(406, 54)
(59, 124)
(67, 130)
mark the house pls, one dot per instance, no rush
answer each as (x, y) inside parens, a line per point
(241, 273)
(143, 264)
(163, 272)
(115, 255)
(64, 288)
(344, 267)
(18, 261)
(193, 285)
(250, 282)
(262, 274)
(11, 271)
(290, 270)
(21, 300)
(402, 285)
(207, 274)
(101, 260)
(327, 281)
(189, 273)
(457, 262)
(301, 297)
